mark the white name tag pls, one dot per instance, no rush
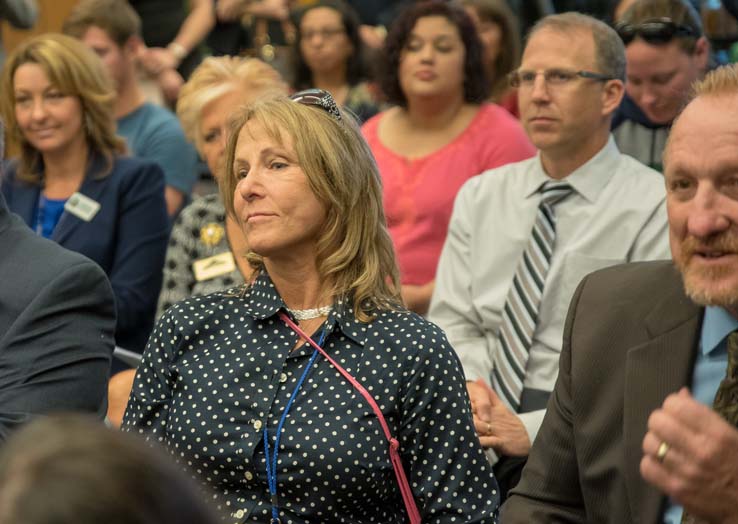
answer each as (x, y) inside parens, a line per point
(82, 206)
(211, 267)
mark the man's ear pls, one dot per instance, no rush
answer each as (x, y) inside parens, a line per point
(612, 95)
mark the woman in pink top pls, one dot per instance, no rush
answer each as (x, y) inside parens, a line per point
(438, 136)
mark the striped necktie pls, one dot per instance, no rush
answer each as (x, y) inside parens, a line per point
(726, 400)
(520, 314)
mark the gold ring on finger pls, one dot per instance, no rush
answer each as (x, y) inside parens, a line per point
(662, 451)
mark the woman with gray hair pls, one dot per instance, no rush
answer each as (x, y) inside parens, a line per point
(205, 247)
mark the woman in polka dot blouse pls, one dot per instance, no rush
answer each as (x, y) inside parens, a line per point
(254, 412)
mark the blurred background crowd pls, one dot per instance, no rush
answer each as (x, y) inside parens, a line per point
(117, 117)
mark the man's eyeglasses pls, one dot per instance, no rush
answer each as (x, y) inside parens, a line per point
(553, 77)
(318, 98)
(656, 31)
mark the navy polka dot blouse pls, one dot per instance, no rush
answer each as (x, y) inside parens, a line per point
(219, 368)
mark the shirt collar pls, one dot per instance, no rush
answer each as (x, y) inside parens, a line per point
(263, 301)
(588, 180)
(716, 326)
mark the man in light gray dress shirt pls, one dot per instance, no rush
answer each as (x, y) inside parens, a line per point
(569, 84)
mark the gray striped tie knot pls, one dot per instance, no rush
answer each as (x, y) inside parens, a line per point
(520, 313)
(553, 192)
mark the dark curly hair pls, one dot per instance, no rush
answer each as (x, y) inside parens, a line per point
(476, 83)
(356, 71)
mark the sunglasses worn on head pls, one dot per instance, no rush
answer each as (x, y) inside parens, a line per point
(656, 31)
(318, 98)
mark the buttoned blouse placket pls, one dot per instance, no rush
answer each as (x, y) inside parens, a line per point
(288, 364)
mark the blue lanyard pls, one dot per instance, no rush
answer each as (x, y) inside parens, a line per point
(271, 469)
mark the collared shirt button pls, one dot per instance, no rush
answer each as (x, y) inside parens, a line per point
(239, 514)
(249, 475)
(283, 377)
(257, 425)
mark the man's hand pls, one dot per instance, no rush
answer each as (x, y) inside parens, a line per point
(498, 427)
(373, 37)
(157, 59)
(273, 9)
(700, 467)
(229, 10)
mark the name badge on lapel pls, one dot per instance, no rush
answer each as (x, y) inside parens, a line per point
(81, 206)
(211, 267)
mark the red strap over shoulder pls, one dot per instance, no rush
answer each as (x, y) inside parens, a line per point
(394, 449)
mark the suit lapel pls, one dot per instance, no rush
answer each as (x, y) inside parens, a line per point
(673, 327)
(25, 202)
(93, 188)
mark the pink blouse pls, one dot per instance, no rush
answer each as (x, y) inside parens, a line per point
(419, 193)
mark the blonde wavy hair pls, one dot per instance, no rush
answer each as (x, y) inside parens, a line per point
(215, 77)
(354, 253)
(722, 80)
(76, 71)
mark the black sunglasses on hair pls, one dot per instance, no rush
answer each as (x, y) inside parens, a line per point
(656, 31)
(318, 98)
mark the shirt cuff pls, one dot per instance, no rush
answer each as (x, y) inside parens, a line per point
(532, 422)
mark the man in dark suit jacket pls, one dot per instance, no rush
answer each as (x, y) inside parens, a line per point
(57, 320)
(623, 440)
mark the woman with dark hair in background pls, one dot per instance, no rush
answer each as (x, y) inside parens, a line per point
(440, 134)
(499, 32)
(329, 55)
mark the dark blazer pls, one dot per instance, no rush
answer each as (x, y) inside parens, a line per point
(127, 237)
(57, 319)
(630, 340)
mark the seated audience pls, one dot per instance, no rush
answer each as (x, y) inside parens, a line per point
(72, 470)
(71, 183)
(230, 386)
(440, 134)
(522, 236)
(500, 35)
(207, 248)
(666, 53)
(624, 440)
(57, 318)
(112, 29)
(328, 54)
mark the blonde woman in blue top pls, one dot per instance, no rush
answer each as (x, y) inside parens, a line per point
(71, 182)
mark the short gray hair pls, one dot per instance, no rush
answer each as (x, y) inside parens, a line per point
(609, 48)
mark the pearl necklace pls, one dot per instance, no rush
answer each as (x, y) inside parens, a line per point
(309, 314)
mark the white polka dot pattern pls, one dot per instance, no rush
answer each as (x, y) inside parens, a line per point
(218, 368)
